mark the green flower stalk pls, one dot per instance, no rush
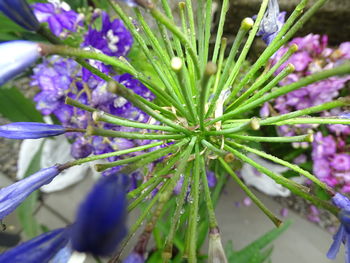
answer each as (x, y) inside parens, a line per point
(203, 118)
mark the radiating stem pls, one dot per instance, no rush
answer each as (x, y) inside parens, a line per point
(273, 83)
(185, 85)
(252, 196)
(105, 117)
(220, 63)
(205, 82)
(234, 72)
(132, 135)
(287, 139)
(211, 147)
(294, 167)
(246, 47)
(273, 47)
(113, 154)
(144, 194)
(142, 159)
(194, 206)
(208, 201)
(293, 121)
(224, 9)
(340, 70)
(191, 24)
(176, 31)
(292, 186)
(167, 253)
(166, 169)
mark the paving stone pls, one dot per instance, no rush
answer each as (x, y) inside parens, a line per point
(66, 202)
(303, 242)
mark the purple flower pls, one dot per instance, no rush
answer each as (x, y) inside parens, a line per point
(272, 22)
(81, 148)
(211, 179)
(345, 50)
(341, 201)
(54, 77)
(30, 130)
(58, 15)
(40, 249)
(134, 257)
(323, 146)
(343, 233)
(178, 186)
(113, 39)
(101, 220)
(19, 11)
(341, 162)
(13, 195)
(16, 56)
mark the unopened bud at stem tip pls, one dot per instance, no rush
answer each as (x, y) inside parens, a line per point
(210, 68)
(176, 63)
(255, 124)
(247, 23)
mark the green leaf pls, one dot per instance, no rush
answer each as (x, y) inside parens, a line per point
(25, 211)
(254, 253)
(16, 107)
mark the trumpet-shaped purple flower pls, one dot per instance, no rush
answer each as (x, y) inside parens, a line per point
(30, 130)
(19, 11)
(13, 195)
(101, 220)
(16, 56)
(272, 22)
(40, 249)
(59, 16)
(343, 233)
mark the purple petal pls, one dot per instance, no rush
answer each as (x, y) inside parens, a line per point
(13, 195)
(39, 249)
(16, 56)
(30, 130)
(101, 220)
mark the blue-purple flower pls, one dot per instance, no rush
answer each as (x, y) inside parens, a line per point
(134, 257)
(13, 195)
(113, 39)
(40, 249)
(272, 22)
(59, 17)
(343, 233)
(101, 220)
(19, 11)
(16, 56)
(30, 130)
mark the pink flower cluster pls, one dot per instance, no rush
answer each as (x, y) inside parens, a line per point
(331, 161)
(313, 56)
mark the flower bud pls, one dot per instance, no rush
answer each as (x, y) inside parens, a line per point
(20, 12)
(216, 252)
(101, 220)
(16, 56)
(40, 249)
(30, 130)
(13, 195)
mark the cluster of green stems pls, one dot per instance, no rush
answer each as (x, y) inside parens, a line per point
(199, 107)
